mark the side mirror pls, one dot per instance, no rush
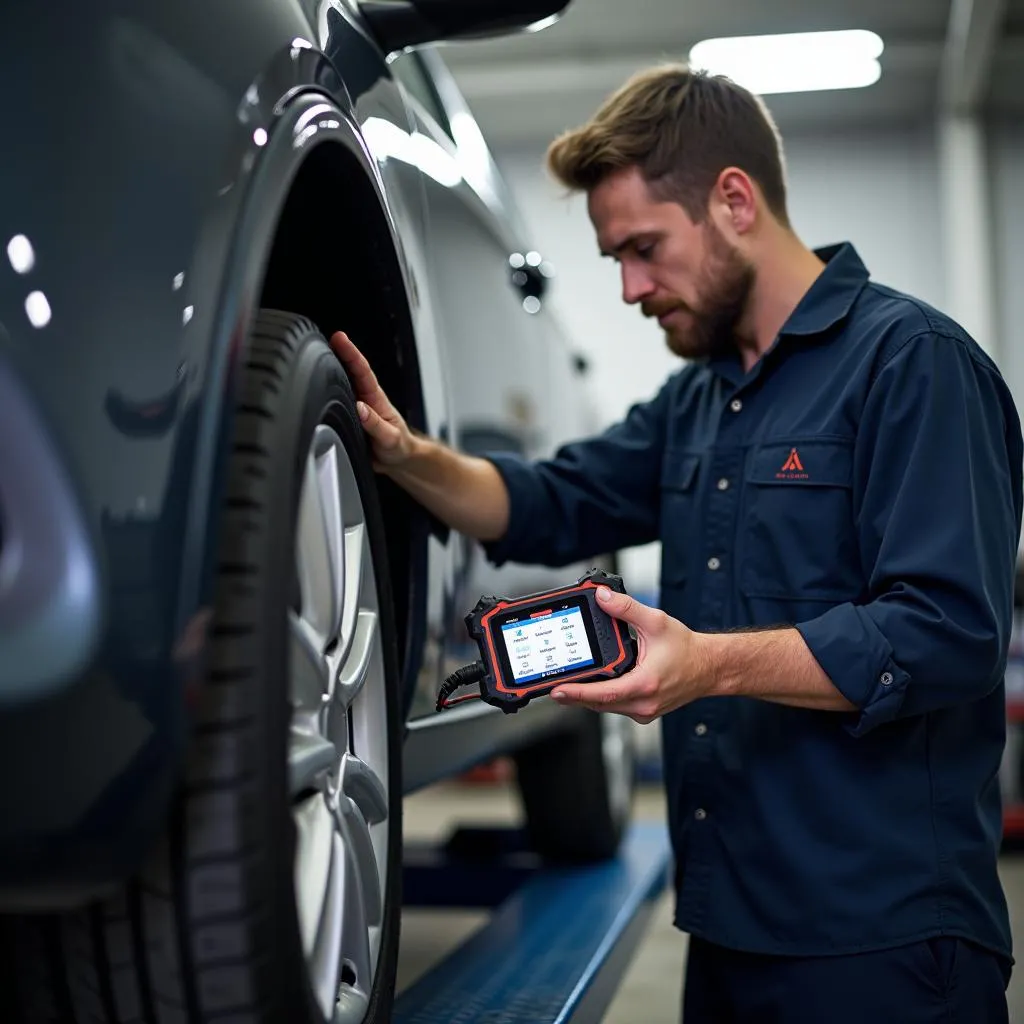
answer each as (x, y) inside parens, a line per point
(399, 24)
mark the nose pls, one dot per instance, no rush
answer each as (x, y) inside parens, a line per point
(636, 284)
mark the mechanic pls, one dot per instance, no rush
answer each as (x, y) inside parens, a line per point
(834, 475)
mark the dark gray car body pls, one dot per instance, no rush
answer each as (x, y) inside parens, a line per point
(168, 168)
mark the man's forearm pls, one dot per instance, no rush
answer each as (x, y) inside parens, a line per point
(466, 493)
(774, 665)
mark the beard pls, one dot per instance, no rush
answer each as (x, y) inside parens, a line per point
(708, 329)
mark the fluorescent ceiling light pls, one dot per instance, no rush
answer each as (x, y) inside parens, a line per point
(794, 62)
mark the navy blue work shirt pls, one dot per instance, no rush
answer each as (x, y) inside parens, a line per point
(862, 483)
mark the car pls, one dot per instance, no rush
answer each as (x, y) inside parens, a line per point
(222, 633)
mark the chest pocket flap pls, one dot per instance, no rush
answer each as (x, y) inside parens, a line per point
(679, 470)
(814, 463)
(798, 535)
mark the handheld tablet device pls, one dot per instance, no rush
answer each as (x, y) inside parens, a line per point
(529, 645)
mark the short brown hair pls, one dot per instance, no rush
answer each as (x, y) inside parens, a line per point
(681, 128)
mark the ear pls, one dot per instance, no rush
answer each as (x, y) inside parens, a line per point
(736, 196)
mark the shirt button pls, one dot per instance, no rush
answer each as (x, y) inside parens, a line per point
(723, 484)
(886, 679)
(700, 729)
(735, 405)
(714, 564)
(700, 814)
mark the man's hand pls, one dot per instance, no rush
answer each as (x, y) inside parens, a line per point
(466, 493)
(677, 665)
(390, 437)
(672, 668)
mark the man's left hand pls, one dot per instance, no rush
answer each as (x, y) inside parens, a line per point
(672, 668)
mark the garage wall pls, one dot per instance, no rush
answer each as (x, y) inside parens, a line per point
(879, 190)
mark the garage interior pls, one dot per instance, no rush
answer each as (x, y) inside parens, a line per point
(234, 774)
(922, 170)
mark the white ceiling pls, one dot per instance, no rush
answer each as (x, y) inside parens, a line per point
(526, 88)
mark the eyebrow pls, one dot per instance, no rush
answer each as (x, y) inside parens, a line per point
(628, 241)
(624, 244)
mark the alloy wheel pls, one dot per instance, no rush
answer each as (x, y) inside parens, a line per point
(338, 746)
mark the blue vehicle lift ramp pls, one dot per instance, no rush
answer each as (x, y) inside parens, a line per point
(559, 941)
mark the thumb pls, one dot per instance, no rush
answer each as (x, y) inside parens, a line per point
(629, 609)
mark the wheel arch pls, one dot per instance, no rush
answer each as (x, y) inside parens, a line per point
(335, 259)
(315, 197)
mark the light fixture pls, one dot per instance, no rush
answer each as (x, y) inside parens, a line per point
(793, 62)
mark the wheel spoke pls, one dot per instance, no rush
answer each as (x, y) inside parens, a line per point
(314, 841)
(356, 552)
(326, 959)
(310, 757)
(352, 676)
(355, 944)
(309, 669)
(320, 544)
(361, 784)
(355, 833)
(354, 997)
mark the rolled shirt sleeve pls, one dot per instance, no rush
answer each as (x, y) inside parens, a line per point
(592, 497)
(937, 504)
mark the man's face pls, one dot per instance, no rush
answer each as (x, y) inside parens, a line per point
(685, 274)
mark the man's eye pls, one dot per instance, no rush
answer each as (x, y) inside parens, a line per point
(645, 251)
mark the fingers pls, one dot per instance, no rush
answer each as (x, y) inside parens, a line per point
(364, 380)
(386, 435)
(592, 694)
(633, 695)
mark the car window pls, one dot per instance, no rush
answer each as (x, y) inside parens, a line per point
(413, 76)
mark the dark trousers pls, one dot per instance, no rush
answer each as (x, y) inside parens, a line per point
(938, 981)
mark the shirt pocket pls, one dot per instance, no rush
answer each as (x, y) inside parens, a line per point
(798, 536)
(680, 475)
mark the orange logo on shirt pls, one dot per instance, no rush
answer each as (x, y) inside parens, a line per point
(793, 463)
(792, 468)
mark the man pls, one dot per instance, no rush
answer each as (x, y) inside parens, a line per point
(835, 477)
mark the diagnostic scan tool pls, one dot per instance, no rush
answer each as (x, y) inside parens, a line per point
(529, 645)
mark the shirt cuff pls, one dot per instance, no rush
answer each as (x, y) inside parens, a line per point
(858, 659)
(521, 483)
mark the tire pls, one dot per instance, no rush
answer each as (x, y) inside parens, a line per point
(216, 928)
(576, 789)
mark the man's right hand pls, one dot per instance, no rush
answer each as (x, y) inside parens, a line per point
(390, 436)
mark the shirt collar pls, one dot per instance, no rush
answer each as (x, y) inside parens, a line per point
(829, 299)
(831, 296)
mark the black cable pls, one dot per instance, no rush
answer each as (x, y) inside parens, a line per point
(465, 676)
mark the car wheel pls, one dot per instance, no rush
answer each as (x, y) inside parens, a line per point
(275, 894)
(576, 789)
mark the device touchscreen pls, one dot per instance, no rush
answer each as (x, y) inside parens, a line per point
(546, 644)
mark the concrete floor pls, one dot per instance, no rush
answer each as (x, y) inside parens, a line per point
(651, 991)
